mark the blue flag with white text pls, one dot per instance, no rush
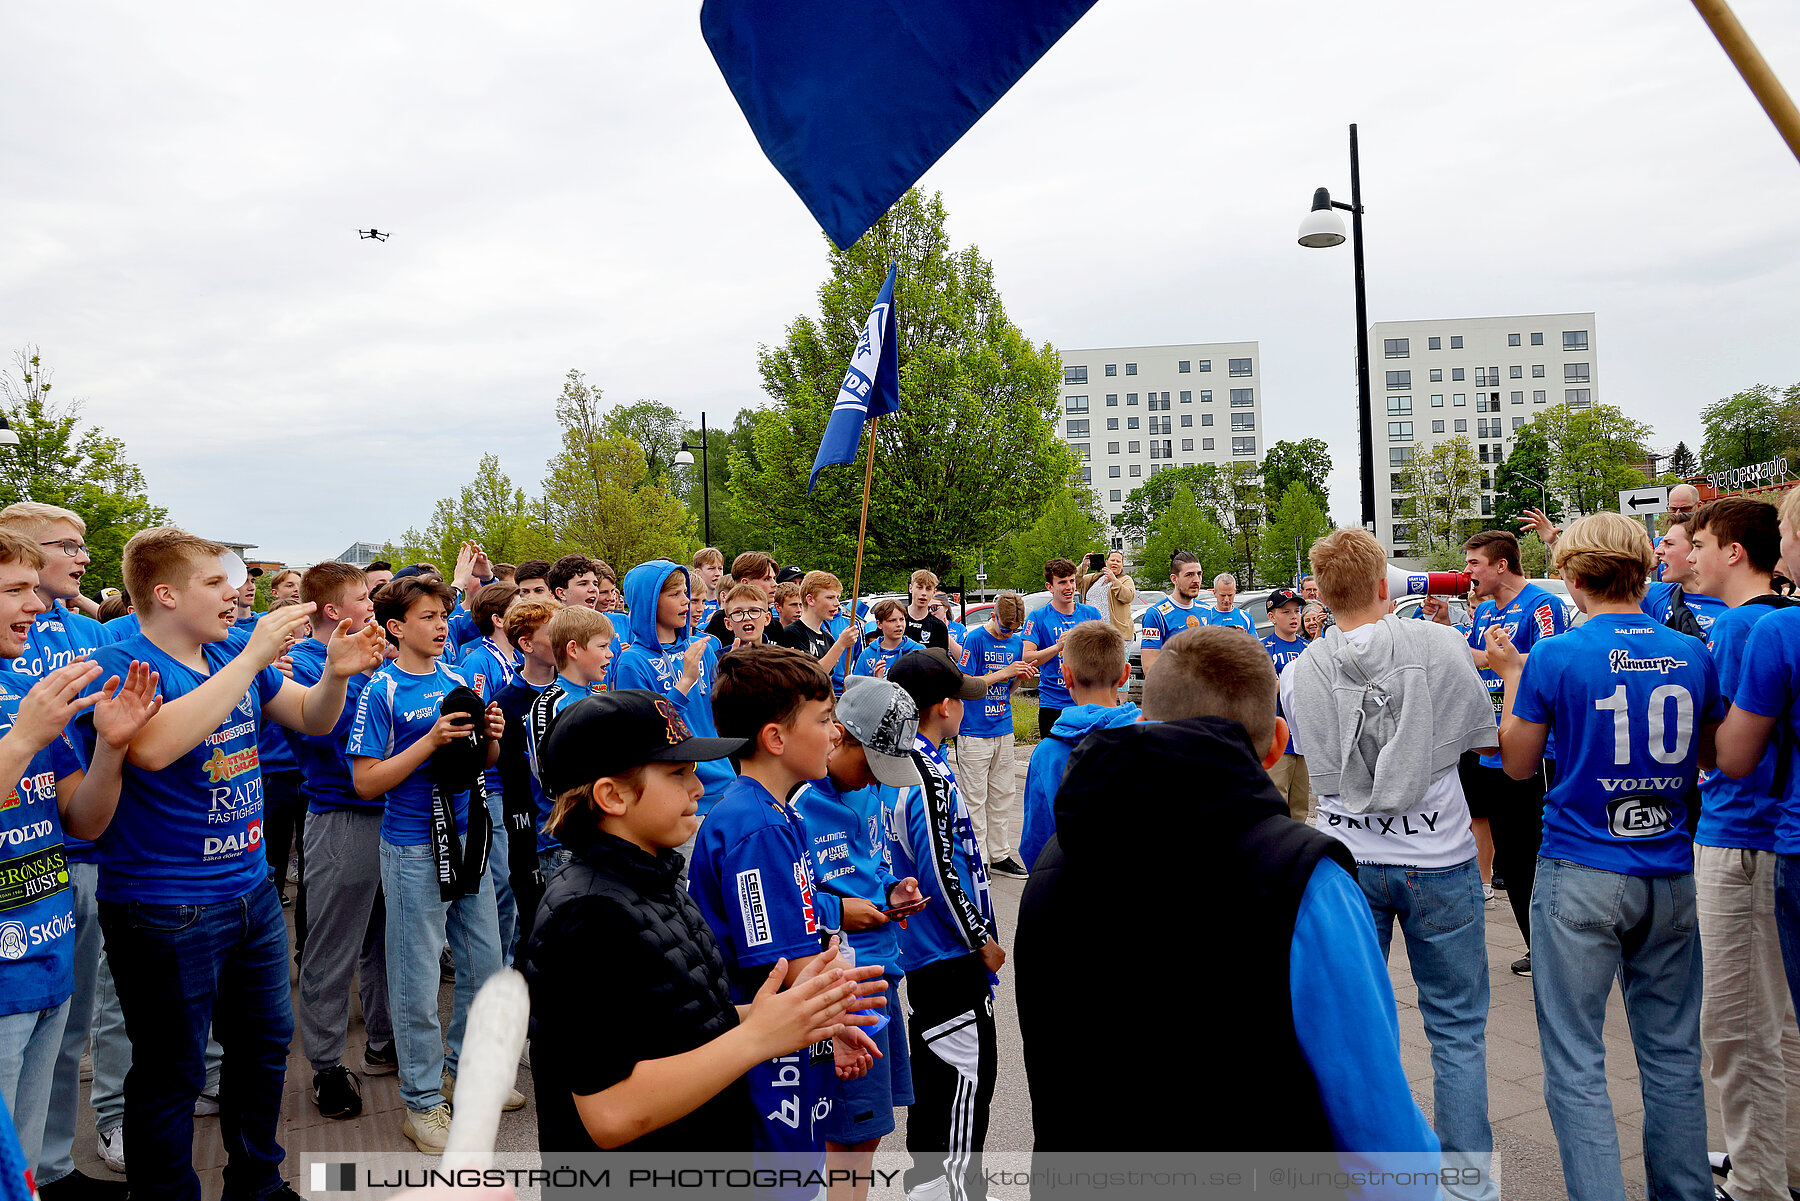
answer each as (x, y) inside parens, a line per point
(871, 386)
(854, 101)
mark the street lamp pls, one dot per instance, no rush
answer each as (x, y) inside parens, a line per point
(8, 436)
(1545, 491)
(685, 458)
(1321, 228)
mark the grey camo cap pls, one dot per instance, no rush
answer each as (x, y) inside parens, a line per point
(884, 719)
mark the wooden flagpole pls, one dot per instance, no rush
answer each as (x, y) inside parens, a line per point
(1754, 68)
(862, 530)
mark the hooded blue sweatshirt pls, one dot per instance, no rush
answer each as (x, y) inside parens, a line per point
(650, 663)
(1051, 759)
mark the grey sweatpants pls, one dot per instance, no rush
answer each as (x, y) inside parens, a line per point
(347, 932)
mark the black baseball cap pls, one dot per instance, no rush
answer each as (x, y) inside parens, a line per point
(791, 575)
(1284, 596)
(608, 733)
(931, 675)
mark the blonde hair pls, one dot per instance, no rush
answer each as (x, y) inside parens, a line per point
(1093, 655)
(1790, 507)
(576, 624)
(744, 592)
(1348, 563)
(815, 582)
(1609, 554)
(31, 517)
(708, 554)
(17, 548)
(1212, 671)
(786, 592)
(925, 578)
(163, 554)
(281, 575)
(1009, 607)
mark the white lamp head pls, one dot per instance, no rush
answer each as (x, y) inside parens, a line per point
(684, 459)
(1322, 226)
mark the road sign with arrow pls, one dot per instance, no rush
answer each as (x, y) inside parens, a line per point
(1642, 502)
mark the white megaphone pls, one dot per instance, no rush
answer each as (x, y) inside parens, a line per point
(1426, 583)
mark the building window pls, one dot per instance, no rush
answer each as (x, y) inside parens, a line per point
(1155, 453)
(1112, 448)
(1112, 369)
(1575, 339)
(1134, 471)
(1134, 447)
(1131, 369)
(1462, 425)
(1113, 494)
(1080, 448)
(1575, 373)
(1113, 471)
(1512, 339)
(1165, 402)
(1537, 371)
(1187, 398)
(1112, 423)
(1457, 375)
(1187, 444)
(1078, 429)
(1399, 456)
(1455, 341)
(1518, 398)
(1537, 398)
(1578, 398)
(1459, 400)
(1074, 375)
(1434, 343)
(1537, 339)
(1182, 367)
(1481, 432)
(1517, 422)
(1437, 375)
(1396, 348)
(1206, 364)
(1206, 419)
(1187, 419)
(1437, 400)
(1206, 444)
(1243, 421)
(1242, 398)
(1131, 423)
(1087, 475)
(1206, 397)
(1399, 431)
(1399, 379)
(1515, 372)
(1487, 506)
(1075, 404)
(1239, 366)
(1399, 404)
(1243, 446)
(1437, 427)
(1481, 377)
(1131, 398)
(1151, 397)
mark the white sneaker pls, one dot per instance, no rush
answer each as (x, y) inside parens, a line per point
(429, 1130)
(937, 1189)
(112, 1148)
(514, 1098)
(206, 1105)
(1487, 895)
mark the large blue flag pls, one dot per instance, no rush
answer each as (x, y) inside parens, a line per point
(871, 386)
(853, 100)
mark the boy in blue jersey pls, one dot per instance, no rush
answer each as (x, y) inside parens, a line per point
(434, 842)
(340, 870)
(579, 641)
(752, 877)
(195, 938)
(1746, 1015)
(995, 652)
(1513, 806)
(1678, 600)
(1634, 703)
(841, 818)
(951, 950)
(1095, 667)
(879, 655)
(1044, 631)
(58, 636)
(1284, 646)
(1175, 612)
(531, 849)
(1224, 611)
(48, 792)
(661, 656)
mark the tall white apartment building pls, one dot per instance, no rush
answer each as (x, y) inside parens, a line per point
(1132, 411)
(1481, 377)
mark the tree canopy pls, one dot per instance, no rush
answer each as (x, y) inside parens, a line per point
(1306, 462)
(1298, 521)
(1593, 454)
(1182, 525)
(1752, 426)
(1516, 482)
(1443, 481)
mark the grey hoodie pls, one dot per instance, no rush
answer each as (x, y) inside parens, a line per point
(1380, 720)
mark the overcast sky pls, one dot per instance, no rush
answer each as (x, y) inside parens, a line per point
(571, 185)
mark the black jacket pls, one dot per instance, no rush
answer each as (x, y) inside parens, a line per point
(1151, 957)
(623, 968)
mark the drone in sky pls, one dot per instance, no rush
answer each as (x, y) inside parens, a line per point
(378, 235)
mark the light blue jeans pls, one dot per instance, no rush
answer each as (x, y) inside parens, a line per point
(506, 909)
(1442, 917)
(1589, 928)
(417, 925)
(28, 1046)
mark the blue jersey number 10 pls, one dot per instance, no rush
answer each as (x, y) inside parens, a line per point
(1660, 726)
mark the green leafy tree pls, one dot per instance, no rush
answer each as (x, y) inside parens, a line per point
(489, 510)
(1068, 528)
(1441, 483)
(1516, 483)
(1229, 495)
(1592, 452)
(62, 461)
(1299, 520)
(730, 532)
(1307, 462)
(656, 428)
(1682, 462)
(1181, 525)
(1755, 425)
(599, 496)
(973, 449)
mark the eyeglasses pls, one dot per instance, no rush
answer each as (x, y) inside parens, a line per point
(934, 608)
(69, 547)
(745, 614)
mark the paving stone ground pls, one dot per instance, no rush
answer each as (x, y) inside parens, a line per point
(1524, 1140)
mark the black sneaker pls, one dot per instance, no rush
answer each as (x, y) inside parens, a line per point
(446, 967)
(284, 1193)
(336, 1093)
(77, 1186)
(1008, 867)
(384, 1062)
(1499, 882)
(1522, 967)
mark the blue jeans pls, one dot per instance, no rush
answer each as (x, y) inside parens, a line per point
(1589, 928)
(182, 970)
(417, 925)
(506, 909)
(56, 1160)
(28, 1045)
(1787, 921)
(1442, 917)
